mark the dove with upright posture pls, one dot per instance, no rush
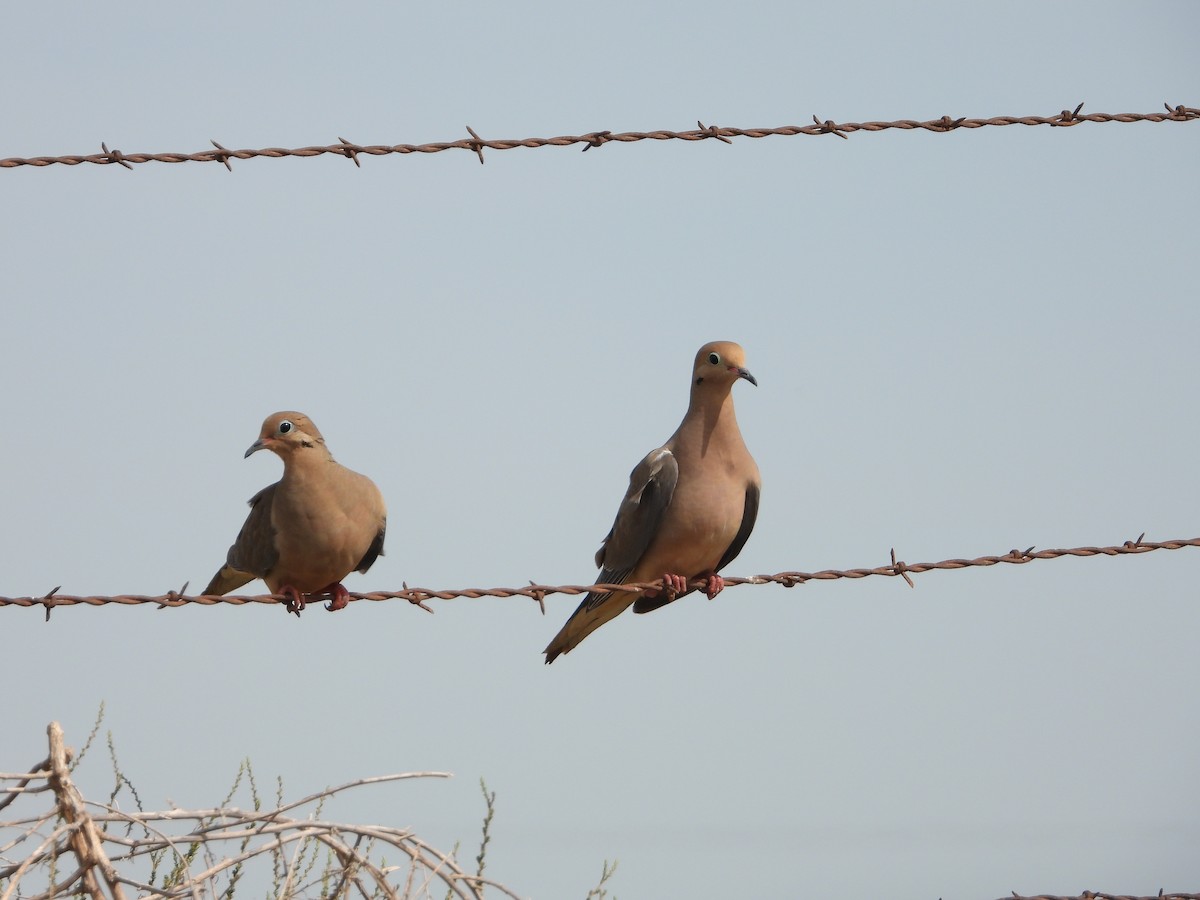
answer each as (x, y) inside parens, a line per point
(690, 506)
(310, 529)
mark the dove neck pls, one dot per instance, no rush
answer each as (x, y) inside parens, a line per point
(710, 418)
(303, 460)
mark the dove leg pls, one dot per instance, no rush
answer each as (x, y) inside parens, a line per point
(674, 584)
(295, 602)
(673, 587)
(341, 596)
(715, 584)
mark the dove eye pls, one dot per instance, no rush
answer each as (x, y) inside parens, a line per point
(285, 426)
(714, 359)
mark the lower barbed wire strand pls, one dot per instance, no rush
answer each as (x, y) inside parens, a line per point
(538, 592)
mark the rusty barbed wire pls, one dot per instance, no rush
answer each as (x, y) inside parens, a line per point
(1099, 895)
(591, 140)
(539, 592)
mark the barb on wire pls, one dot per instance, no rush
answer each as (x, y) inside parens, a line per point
(351, 151)
(829, 127)
(222, 155)
(538, 592)
(477, 145)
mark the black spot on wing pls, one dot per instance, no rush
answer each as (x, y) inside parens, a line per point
(749, 514)
(374, 551)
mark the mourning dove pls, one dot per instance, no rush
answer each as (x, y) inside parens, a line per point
(310, 529)
(690, 506)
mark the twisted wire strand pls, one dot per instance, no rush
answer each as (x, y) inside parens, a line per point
(538, 592)
(591, 140)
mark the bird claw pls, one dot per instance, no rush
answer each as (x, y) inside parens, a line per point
(340, 597)
(676, 585)
(672, 586)
(714, 584)
(295, 601)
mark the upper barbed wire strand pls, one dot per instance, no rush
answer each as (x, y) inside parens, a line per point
(476, 144)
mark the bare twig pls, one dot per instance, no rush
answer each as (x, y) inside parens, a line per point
(481, 859)
(599, 892)
(41, 770)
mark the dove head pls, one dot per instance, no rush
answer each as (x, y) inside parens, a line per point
(720, 364)
(286, 432)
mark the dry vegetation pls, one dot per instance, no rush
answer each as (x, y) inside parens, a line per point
(76, 847)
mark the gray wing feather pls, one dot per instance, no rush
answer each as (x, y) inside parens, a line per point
(651, 486)
(253, 554)
(254, 550)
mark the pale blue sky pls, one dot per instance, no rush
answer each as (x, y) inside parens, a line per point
(965, 343)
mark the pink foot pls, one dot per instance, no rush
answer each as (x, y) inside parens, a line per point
(341, 596)
(672, 586)
(714, 584)
(295, 601)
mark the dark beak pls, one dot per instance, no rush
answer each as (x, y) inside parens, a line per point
(745, 373)
(254, 448)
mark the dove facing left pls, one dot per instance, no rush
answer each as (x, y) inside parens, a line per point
(309, 530)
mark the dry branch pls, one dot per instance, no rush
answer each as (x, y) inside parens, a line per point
(115, 849)
(259, 836)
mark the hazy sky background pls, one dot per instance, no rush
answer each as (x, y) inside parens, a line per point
(965, 343)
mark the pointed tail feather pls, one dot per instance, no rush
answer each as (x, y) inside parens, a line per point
(226, 580)
(594, 611)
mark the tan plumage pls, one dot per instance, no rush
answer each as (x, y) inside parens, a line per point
(690, 506)
(310, 529)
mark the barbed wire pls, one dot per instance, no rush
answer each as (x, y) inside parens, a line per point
(477, 145)
(539, 592)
